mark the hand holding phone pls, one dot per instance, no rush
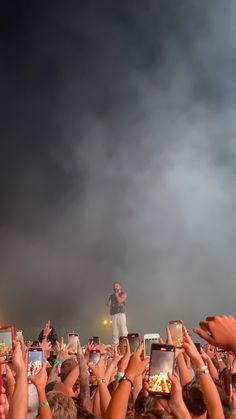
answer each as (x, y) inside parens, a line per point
(73, 339)
(161, 365)
(6, 343)
(134, 341)
(35, 361)
(176, 331)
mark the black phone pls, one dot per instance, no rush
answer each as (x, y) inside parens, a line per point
(35, 360)
(134, 341)
(161, 363)
(198, 346)
(96, 340)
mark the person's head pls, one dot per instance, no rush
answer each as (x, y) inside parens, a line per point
(62, 406)
(193, 398)
(117, 286)
(84, 414)
(66, 367)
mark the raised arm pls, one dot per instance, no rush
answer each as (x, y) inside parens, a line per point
(19, 401)
(84, 380)
(218, 331)
(210, 393)
(119, 401)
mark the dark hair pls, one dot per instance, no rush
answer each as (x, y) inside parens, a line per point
(193, 398)
(84, 414)
(66, 367)
(52, 337)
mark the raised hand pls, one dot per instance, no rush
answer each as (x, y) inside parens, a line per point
(98, 369)
(40, 379)
(123, 363)
(218, 331)
(137, 364)
(175, 405)
(190, 347)
(47, 329)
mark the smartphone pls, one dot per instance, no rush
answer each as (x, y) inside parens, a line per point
(122, 345)
(176, 330)
(35, 361)
(96, 340)
(6, 339)
(161, 362)
(19, 334)
(94, 356)
(198, 346)
(134, 341)
(148, 339)
(73, 339)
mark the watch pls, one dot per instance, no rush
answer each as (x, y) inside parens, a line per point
(202, 371)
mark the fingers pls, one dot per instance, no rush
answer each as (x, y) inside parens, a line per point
(204, 325)
(140, 349)
(203, 334)
(169, 337)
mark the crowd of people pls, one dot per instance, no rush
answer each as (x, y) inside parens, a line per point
(116, 387)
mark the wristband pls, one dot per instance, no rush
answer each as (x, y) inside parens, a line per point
(119, 375)
(41, 404)
(129, 381)
(202, 371)
(102, 381)
(56, 363)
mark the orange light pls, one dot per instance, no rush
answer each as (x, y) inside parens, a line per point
(163, 349)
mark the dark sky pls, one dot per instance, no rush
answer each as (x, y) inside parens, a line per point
(118, 161)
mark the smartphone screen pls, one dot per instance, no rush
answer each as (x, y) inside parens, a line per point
(148, 340)
(161, 362)
(19, 334)
(122, 345)
(6, 338)
(35, 361)
(73, 339)
(176, 330)
(133, 339)
(94, 356)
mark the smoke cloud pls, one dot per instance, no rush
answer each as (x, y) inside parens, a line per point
(118, 163)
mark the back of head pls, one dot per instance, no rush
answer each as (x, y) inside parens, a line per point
(66, 367)
(62, 406)
(193, 398)
(84, 414)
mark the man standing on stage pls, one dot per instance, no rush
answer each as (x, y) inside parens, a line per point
(116, 303)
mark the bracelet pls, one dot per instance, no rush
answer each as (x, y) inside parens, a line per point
(129, 381)
(102, 381)
(56, 363)
(44, 337)
(202, 371)
(41, 404)
(119, 375)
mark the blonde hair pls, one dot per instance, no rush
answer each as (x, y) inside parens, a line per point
(62, 406)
